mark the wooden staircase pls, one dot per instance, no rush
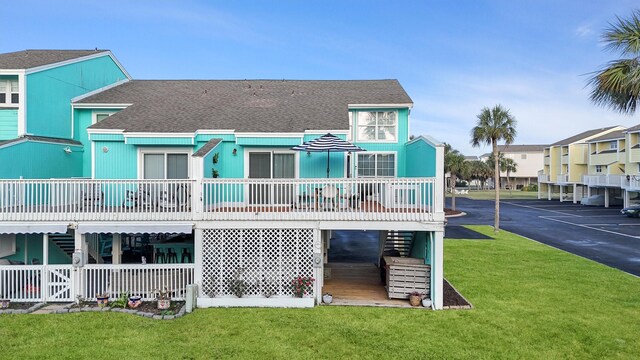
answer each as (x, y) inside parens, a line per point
(398, 243)
(65, 242)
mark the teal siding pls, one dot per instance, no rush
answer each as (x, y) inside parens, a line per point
(271, 141)
(421, 247)
(8, 124)
(420, 159)
(34, 160)
(229, 166)
(314, 165)
(49, 93)
(119, 162)
(107, 137)
(159, 141)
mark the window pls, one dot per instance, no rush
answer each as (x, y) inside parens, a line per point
(377, 125)
(599, 168)
(376, 164)
(523, 156)
(165, 165)
(9, 92)
(613, 145)
(100, 117)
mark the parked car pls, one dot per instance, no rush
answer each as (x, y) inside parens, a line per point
(598, 200)
(631, 211)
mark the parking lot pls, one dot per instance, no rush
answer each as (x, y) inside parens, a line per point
(603, 235)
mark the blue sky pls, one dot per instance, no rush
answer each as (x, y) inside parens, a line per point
(452, 57)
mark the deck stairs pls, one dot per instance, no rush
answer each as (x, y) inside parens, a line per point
(66, 243)
(398, 242)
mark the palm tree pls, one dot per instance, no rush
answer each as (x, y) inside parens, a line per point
(494, 125)
(617, 85)
(457, 169)
(508, 165)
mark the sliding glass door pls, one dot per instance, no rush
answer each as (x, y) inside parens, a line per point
(271, 165)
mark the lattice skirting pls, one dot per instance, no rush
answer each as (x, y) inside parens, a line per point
(263, 261)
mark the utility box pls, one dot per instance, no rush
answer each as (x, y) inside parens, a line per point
(77, 259)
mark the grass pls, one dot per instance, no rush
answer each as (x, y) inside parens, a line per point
(504, 194)
(531, 301)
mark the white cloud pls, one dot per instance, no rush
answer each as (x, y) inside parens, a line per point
(584, 30)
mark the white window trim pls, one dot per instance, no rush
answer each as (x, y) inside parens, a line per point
(163, 150)
(6, 83)
(273, 151)
(356, 126)
(395, 163)
(11, 248)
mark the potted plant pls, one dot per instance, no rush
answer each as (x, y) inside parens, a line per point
(134, 301)
(327, 298)
(426, 302)
(415, 298)
(102, 299)
(302, 285)
(163, 298)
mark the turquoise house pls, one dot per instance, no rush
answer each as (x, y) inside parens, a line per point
(145, 169)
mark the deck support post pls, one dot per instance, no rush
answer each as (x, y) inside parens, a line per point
(45, 249)
(197, 260)
(606, 197)
(437, 269)
(318, 265)
(116, 249)
(575, 193)
(561, 193)
(626, 198)
(549, 191)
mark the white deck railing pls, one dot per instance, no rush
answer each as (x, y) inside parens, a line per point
(605, 180)
(136, 279)
(562, 179)
(376, 199)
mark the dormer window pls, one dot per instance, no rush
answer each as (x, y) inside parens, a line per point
(9, 92)
(377, 125)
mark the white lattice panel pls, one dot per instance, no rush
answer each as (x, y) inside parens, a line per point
(267, 260)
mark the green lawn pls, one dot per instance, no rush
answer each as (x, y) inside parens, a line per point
(531, 301)
(504, 194)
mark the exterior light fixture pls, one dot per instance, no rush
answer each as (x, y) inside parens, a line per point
(235, 152)
(67, 150)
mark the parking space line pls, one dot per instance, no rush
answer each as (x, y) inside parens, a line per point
(589, 227)
(537, 208)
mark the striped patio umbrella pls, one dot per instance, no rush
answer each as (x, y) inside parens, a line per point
(329, 143)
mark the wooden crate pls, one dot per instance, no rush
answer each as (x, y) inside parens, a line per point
(406, 275)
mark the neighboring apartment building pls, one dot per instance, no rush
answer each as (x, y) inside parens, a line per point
(115, 169)
(585, 164)
(528, 159)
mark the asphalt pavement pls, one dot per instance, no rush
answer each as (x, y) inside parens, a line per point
(596, 233)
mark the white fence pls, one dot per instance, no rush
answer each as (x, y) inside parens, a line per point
(605, 180)
(376, 199)
(57, 283)
(141, 280)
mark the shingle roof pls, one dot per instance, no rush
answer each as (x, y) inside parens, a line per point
(618, 134)
(27, 59)
(521, 148)
(206, 148)
(242, 105)
(581, 136)
(42, 139)
(633, 128)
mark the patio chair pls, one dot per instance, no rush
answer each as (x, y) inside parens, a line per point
(176, 199)
(139, 199)
(330, 195)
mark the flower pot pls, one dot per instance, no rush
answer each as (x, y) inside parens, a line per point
(134, 301)
(102, 300)
(415, 300)
(4, 303)
(426, 302)
(164, 304)
(327, 298)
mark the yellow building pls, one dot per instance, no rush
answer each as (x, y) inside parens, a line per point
(631, 182)
(566, 162)
(606, 170)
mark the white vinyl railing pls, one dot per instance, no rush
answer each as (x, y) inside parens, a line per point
(136, 279)
(408, 199)
(321, 199)
(21, 283)
(564, 178)
(543, 178)
(634, 183)
(605, 180)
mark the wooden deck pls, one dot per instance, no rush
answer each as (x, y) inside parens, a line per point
(358, 284)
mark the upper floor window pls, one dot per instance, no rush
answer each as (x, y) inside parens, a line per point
(9, 92)
(599, 168)
(100, 117)
(376, 164)
(613, 145)
(377, 125)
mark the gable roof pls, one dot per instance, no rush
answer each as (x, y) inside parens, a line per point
(618, 134)
(633, 129)
(44, 139)
(207, 147)
(242, 105)
(581, 136)
(521, 148)
(27, 59)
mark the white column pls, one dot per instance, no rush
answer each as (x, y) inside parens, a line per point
(45, 249)
(606, 197)
(625, 198)
(588, 191)
(318, 268)
(437, 269)
(116, 249)
(561, 193)
(575, 193)
(549, 191)
(440, 179)
(77, 271)
(197, 259)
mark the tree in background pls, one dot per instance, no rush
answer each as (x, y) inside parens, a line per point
(480, 172)
(456, 166)
(617, 85)
(509, 166)
(494, 125)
